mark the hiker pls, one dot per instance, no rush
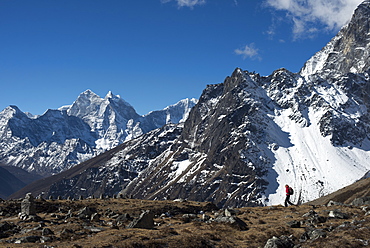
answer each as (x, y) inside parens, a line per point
(289, 192)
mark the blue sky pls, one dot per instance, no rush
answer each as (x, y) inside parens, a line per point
(152, 53)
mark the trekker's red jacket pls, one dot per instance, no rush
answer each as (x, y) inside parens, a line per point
(287, 190)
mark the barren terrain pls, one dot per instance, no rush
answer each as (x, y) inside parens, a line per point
(67, 223)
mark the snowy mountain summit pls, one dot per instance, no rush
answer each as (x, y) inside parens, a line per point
(107, 117)
(60, 139)
(250, 135)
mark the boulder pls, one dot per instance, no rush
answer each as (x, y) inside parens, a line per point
(233, 221)
(205, 217)
(281, 242)
(123, 217)
(45, 239)
(189, 217)
(66, 233)
(313, 234)
(317, 233)
(314, 218)
(345, 225)
(47, 231)
(338, 215)
(4, 228)
(95, 217)
(229, 212)
(145, 221)
(86, 213)
(28, 239)
(311, 213)
(294, 224)
(361, 201)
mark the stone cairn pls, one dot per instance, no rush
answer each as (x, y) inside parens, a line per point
(28, 208)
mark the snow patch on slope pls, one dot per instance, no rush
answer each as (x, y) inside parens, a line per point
(311, 164)
(179, 167)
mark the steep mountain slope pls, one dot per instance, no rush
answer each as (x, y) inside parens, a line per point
(60, 139)
(346, 195)
(250, 135)
(21, 174)
(8, 183)
(220, 154)
(13, 179)
(108, 172)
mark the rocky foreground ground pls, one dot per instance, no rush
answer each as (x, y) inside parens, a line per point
(140, 223)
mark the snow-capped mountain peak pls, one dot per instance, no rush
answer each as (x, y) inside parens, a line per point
(10, 111)
(86, 104)
(110, 95)
(61, 138)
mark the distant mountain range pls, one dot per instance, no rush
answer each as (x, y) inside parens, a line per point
(62, 138)
(246, 137)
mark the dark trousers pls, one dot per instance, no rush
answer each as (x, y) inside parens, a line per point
(287, 201)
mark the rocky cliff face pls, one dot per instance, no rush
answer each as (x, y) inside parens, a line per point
(346, 52)
(250, 135)
(60, 139)
(220, 155)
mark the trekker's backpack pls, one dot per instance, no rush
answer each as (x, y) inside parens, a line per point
(291, 191)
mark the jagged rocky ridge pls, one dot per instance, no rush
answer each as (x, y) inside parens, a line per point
(250, 135)
(347, 52)
(60, 139)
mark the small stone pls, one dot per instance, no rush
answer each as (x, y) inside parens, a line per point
(47, 231)
(333, 203)
(294, 224)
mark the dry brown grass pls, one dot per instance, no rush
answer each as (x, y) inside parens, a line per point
(263, 223)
